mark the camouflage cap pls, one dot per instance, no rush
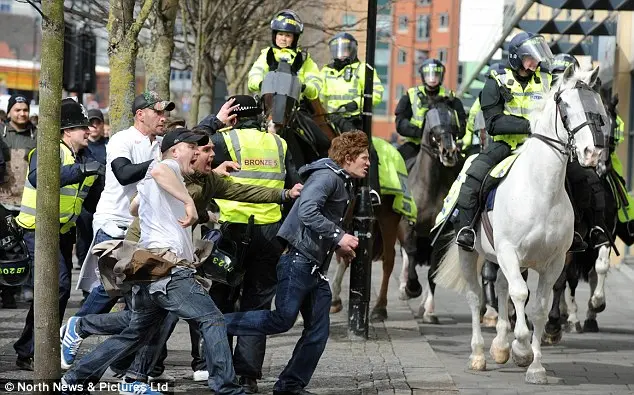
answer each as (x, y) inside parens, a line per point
(151, 99)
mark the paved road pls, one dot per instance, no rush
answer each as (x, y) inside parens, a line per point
(587, 363)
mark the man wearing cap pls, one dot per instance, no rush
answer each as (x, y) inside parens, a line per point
(264, 161)
(77, 174)
(166, 212)
(96, 151)
(18, 138)
(128, 155)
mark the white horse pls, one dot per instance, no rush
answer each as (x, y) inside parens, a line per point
(532, 222)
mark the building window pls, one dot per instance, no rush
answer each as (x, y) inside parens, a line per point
(422, 3)
(444, 21)
(349, 20)
(442, 55)
(400, 91)
(402, 56)
(460, 71)
(402, 23)
(421, 56)
(568, 14)
(422, 27)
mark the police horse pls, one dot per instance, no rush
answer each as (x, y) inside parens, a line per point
(308, 141)
(531, 222)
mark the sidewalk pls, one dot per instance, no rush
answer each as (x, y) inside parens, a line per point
(396, 359)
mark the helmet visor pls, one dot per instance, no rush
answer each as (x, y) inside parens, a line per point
(537, 49)
(432, 74)
(343, 48)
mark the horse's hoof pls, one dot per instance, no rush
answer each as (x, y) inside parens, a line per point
(413, 289)
(590, 325)
(378, 314)
(489, 321)
(596, 304)
(336, 306)
(522, 360)
(536, 376)
(430, 319)
(500, 355)
(552, 334)
(477, 362)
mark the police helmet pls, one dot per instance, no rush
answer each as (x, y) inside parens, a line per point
(222, 265)
(287, 21)
(14, 255)
(531, 45)
(561, 61)
(432, 72)
(343, 46)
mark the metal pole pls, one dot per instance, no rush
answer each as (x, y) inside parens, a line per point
(360, 268)
(507, 30)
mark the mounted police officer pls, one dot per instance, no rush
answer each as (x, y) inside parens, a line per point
(342, 94)
(507, 99)
(585, 187)
(286, 29)
(411, 108)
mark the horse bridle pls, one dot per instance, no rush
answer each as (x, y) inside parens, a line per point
(593, 120)
(433, 150)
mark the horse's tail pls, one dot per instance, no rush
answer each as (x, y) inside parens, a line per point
(377, 243)
(449, 273)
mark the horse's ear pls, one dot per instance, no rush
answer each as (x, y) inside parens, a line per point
(568, 73)
(594, 78)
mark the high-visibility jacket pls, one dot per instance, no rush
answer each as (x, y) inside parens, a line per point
(346, 85)
(472, 136)
(71, 197)
(419, 108)
(308, 74)
(524, 100)
(261, 156)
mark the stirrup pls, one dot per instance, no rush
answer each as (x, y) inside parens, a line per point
(375, 197)
(600, 231)
(468, 247)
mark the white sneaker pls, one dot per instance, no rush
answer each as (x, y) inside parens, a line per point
(201, 375)
(163, 378)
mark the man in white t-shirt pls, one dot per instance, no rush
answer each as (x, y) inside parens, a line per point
(166, 212)
(128, 155)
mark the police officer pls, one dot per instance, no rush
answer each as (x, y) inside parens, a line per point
(264, 161)
(286, 29)
(342, 93)
(506, 107)
(586, 189)
(76, 177)
(411, 108)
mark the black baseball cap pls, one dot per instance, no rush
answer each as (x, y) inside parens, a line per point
(151, 99)
(95, 113)
(182, 136)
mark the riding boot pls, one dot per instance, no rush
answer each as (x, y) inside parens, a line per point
(464, 227)
(489, 275)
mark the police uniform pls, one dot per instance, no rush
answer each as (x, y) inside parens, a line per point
(76, 178)
(264, 161)
(410, 116)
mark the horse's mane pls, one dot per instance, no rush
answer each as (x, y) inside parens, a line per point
(545, 111)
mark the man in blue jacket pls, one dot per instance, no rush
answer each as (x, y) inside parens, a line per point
(312, 232)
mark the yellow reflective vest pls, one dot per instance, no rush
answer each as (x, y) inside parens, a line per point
(261, 157)
(71, 197)
(419, 109)
(308, 74)
(346, 85)
(471, 134)
(524, 100)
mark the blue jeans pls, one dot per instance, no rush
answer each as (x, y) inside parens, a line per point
(98, 301)
(297, 291)
(24, 345)
(188, 300)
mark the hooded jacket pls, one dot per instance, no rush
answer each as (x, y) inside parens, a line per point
(314, 225)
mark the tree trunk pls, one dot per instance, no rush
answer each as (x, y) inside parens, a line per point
(123, 31)
(46, 305)
(206, 103)
(198, 67)
(158, 55)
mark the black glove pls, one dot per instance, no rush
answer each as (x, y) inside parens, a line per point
(303, 87)
(92, 168)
